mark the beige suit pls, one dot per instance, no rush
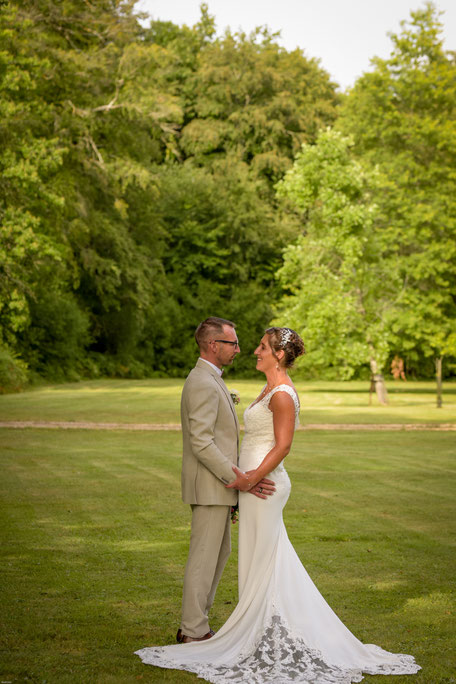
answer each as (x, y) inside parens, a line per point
(210, 431)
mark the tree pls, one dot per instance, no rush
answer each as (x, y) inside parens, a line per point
(243, 96)
(223, 246)
(254, 100)
(29, 253)
(84, 113)
(123, 220)
(339, 290)
(247, 105)
(402, 117)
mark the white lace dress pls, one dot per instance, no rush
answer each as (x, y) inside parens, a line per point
(282, 631)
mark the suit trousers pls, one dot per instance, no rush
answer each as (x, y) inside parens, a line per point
(210, 546)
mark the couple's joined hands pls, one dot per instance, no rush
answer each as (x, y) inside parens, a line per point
(243, 482)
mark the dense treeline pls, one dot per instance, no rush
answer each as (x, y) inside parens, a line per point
(138, 192)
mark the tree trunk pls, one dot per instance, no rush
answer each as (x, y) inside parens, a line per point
(371, 389)
(378, 380)
(438, 376)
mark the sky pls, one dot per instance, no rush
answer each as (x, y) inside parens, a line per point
(343, 34)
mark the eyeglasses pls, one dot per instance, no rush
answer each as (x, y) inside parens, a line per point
(233, 344)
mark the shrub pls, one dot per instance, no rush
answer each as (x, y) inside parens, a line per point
(55, 344)
(13, 372)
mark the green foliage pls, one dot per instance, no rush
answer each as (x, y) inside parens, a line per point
(331, 273)
(105, 230)
(26, 257)
(402, 117)
(223, 244)
(255, 101)
(57, 337)
(82, 119)
(137, 173)
(29, 159)
(13, 371)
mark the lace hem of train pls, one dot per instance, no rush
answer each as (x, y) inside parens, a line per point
(281, 658)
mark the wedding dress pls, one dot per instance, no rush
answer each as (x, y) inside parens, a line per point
(282, 631)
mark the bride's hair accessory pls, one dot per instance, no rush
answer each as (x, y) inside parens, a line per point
(288, 341)
(285, 336)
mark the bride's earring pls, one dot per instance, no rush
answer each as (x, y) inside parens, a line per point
(277, 366)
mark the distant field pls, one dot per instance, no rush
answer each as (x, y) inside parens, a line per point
(157, 401)
(94, 541)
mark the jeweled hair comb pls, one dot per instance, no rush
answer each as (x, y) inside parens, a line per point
(285, 336)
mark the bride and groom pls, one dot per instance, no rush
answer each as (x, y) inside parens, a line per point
(282, 630)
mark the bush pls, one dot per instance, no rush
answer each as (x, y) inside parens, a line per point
(13, 372)
(55, 343)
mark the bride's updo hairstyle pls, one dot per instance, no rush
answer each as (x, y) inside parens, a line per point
(287, 340)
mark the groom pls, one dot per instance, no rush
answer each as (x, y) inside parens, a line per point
(210, 431)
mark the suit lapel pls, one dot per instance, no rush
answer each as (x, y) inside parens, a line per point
(228, 396)
(206, 366)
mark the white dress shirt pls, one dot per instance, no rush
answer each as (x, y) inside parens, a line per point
(219, 370)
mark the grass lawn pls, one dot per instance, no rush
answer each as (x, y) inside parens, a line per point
(95, 539)
(157, 401)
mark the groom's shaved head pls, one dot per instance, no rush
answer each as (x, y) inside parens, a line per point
(209, 328)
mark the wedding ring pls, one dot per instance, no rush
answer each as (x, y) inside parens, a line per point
(260, 490)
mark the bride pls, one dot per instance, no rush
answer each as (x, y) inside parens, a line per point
(282, 631)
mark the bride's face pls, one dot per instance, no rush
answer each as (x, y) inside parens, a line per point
(265, 358)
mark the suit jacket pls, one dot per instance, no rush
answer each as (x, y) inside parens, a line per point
(210, 432)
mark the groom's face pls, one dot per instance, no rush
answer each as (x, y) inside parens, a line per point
(226, 352)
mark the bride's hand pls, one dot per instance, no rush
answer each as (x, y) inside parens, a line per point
(263, 488)
(242, 481)
(245, 482)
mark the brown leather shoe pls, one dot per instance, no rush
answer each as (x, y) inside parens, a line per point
(184, 639)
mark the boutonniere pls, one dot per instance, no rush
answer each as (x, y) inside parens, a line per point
(235, 398)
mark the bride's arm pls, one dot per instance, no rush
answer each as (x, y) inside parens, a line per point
(283, 413)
